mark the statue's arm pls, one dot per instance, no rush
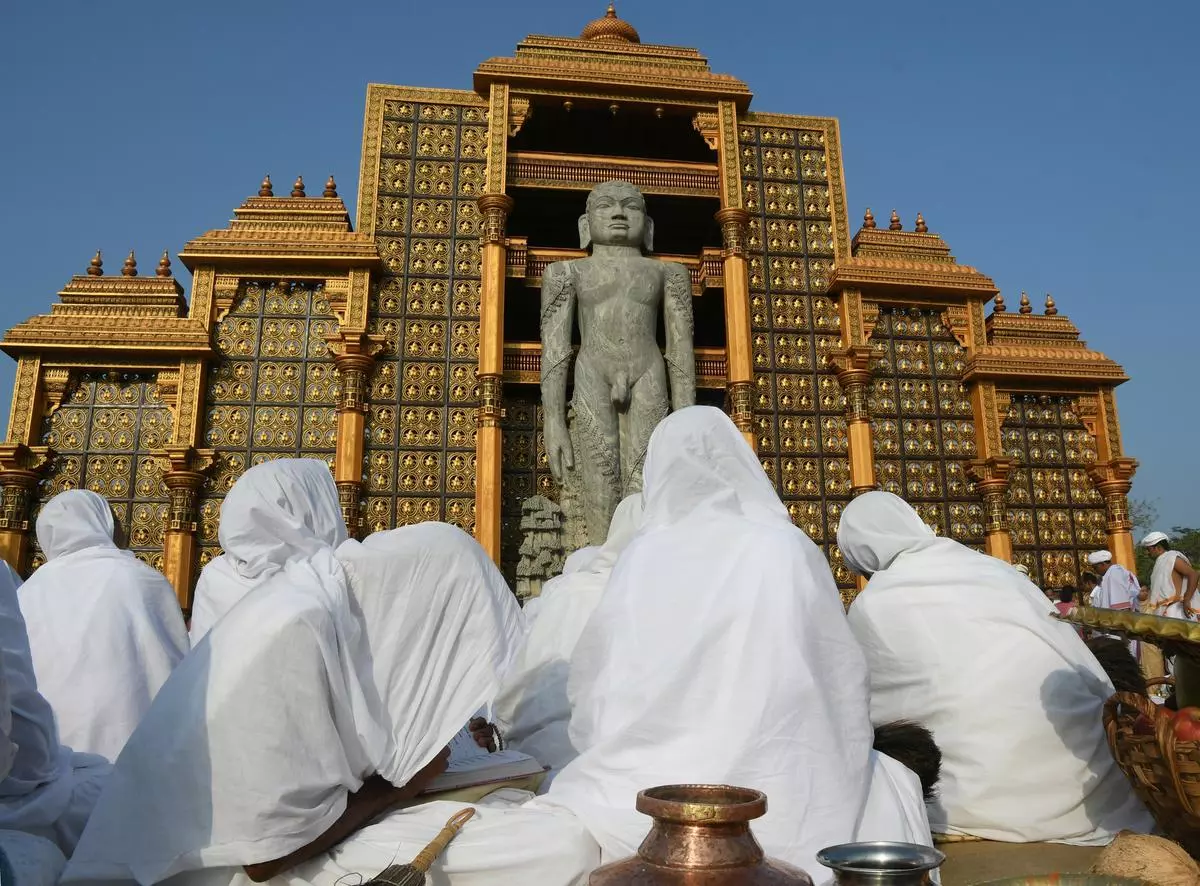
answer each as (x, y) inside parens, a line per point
(558, 313)
(681, 358)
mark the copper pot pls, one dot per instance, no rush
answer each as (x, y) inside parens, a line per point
(881, 864)
(700, 837)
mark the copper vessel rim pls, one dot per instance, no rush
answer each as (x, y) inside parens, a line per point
(705, 804)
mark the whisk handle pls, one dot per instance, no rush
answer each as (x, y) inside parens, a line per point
(426, 857)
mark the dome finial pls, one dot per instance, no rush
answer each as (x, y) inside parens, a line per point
(1026, 307)
(264, 189)
(129, 269)
(164, 265)
(96, 265)
(894, 224)
(330, 188)
(298, 187)
(868, 219)
(610, 28)
(1001, 307)
(921, 227)
(1051, 307)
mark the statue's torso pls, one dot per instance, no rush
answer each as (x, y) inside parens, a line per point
(618, 305)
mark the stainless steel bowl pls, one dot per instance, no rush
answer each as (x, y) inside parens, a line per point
(869, 864)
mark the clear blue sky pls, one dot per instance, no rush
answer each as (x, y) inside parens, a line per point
(1053, 144)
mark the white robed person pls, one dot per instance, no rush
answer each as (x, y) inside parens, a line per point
(266, 518)
(1173, 579)
(1118, 587)
(105, 629)
(719, 653)
(532, 709)
(47, 791)
(962, 644)
(283, 745)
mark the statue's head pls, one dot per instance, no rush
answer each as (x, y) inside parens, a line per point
(616, 216)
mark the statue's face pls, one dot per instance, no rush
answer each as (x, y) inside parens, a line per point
(616, 216)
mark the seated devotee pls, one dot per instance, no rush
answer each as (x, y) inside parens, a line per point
(105, 629)
(47, 791)
(532, 709)
(319, 702)
(960, 643)
(719, 653)
(266, 518)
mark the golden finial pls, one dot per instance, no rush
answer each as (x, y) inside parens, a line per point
(330, 188)
(868, 219)
(164, 265)
(1026, 307)
(265, 189)
(999, 307)
(1051, 307)
(895, 223)
(96, 266)
(921, 227)
(298, 187)
(129, 269)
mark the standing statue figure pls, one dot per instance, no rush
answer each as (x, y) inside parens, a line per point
(620, 391)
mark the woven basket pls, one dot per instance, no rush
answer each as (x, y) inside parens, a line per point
(1165, 773)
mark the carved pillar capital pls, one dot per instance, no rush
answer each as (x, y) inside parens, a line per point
(183, 487)
(854, 375)
(733, 221)
(1113, 481)
(353, 370)
(491, 400)
(495, 209)
(991, 479)
(740, 404)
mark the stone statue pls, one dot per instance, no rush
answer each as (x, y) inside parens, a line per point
(621, 390)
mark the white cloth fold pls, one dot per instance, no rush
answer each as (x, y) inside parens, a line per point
(964, 645)
(719, 652)
(105, 629)
(48, 790)
(270, 515)
(532, 709)
(1165, 597)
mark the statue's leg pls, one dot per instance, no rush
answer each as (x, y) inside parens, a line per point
(597, 459)
(648, 405)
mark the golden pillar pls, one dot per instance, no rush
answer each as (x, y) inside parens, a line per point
(1113, 481)
(991, 478)
(18, 485)
(739, 359)
(488, 445)
(854, 375)
(354, 367)
(179, 538)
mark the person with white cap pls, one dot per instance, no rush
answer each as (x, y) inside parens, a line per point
(1173, 581)
(1118, 586)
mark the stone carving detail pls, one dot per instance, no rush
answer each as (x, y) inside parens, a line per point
(624, 386)
(542, 552)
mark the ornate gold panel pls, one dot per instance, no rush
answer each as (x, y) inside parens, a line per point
(272, 392)
(922, 421)
(420, 425)
(798, 404)
(1056, 515)
(104, 436)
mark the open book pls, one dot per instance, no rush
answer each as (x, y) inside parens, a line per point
(472, 766)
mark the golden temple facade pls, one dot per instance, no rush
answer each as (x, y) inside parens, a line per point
(403, 348)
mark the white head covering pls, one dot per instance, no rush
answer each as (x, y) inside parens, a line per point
(270, 515)
(48, 790)
(963, 645)
(1095, 558)
(1155, 538)
(340, 666)
(532, 708)
(719, 653)
(105, 629)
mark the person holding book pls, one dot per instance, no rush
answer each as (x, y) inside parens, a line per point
(290, 741)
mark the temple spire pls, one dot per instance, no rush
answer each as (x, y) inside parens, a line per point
(265, 189)
(129, 269)
(330, 188)
(164, 265)
(298, 187)
(96, 266)
(868, 220)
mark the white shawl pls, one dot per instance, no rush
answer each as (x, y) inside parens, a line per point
(105, 629)
(337, 668)
(532, 708)
(719, 653)
(964, 644)
(47, 790)
(1165, 598)
(269, 516)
